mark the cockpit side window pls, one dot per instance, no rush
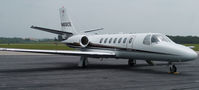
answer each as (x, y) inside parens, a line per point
(154, 39)
(147, 40)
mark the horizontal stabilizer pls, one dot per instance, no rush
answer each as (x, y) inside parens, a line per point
(93, 30)
(52, 30)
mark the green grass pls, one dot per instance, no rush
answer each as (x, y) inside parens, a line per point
(43, 46)
(195, 45)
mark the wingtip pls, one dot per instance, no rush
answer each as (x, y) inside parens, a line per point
(32, 26)
(3, 49)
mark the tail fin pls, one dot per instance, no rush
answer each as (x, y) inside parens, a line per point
(66, 24)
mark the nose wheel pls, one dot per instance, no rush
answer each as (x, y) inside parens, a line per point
(173, 69)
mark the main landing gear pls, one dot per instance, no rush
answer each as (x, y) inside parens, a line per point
(83, 61)
(173, 68)
(131, 62)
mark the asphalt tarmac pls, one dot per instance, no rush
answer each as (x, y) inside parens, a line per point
(54, 72)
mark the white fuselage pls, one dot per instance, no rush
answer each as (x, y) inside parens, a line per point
(135, 46)
(143, 46)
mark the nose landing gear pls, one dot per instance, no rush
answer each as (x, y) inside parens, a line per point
(172, 68)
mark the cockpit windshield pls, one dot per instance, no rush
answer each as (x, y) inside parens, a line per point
(159, 38)
(155, 38)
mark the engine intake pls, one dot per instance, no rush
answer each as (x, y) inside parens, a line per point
(78, 40)
(84, 41)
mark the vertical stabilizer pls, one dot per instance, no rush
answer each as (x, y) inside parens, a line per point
(66, 23)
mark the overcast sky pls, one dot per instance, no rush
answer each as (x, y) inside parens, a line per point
(173, 17)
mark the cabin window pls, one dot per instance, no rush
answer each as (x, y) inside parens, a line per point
(115, 40)
(105, 40)
(130, 40)
(119, 40)
(124, 41)
(147, 40)
(110, 40)
(101, 40)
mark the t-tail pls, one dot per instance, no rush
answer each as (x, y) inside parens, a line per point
(67, 28)
(66, 23)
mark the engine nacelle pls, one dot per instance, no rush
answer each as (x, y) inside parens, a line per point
(80, 40)
(84, 41)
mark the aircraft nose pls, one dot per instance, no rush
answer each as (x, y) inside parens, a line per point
(191, 55)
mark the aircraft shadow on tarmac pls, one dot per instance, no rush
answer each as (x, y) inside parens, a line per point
(139, 68)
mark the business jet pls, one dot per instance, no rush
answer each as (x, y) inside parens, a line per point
(140, 46)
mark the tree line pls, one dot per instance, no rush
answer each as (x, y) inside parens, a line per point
(17, 40)
(185, 39)
(177, 39)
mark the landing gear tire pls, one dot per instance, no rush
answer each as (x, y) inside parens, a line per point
(83, 62)
(131, 62)
(173, 68)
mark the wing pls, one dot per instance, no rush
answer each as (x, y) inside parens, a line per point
(63, 52)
